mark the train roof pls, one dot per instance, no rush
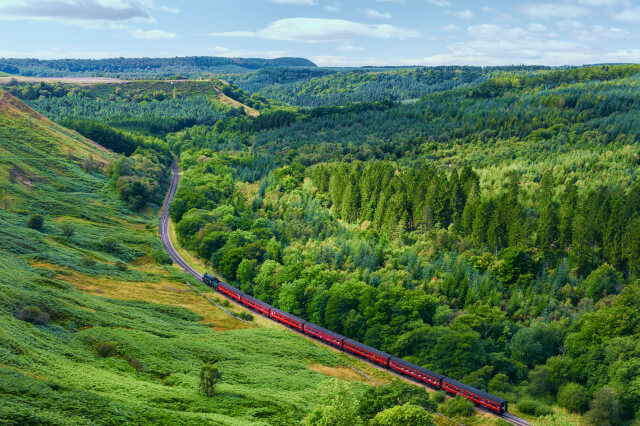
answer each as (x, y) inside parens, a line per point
(229, 286)
(324, 330)
(288, 315)
(417, 367)
(473, 390)
(258, 301)
(369, 348)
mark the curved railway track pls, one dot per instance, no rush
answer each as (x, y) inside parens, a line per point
(163, 230)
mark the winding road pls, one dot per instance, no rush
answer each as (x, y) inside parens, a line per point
(165, 237)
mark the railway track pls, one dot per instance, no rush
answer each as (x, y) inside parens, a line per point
(163, 230)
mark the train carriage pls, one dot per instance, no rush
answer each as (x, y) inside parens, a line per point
(287, 318)
(426, 376)
(492, 402)
(366, 351)
(324, 334)
(230, 290)
(256, 304)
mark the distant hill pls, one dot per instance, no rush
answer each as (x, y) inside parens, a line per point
(143, 67)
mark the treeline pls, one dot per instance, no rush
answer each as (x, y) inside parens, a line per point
(115, 140)
(139, 67)
(598, 227)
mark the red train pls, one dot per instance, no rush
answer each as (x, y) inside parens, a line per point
(431, 378)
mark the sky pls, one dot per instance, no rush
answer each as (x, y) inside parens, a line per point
(328, 32)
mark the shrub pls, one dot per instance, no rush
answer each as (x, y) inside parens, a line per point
(110, 244)
(160, 256)
(67, 230)
(534, 408)
(209, 376)
(246, 316)
(33, 315)
(458, 406)
(402, 415)
(35, 221)
(439, 397)
(88, 261)
(121, 265)
(137, 364)
(105, 349)
(574, 397)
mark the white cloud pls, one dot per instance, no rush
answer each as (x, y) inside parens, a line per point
(464, 14)
(601, 3)
(153, 35)
(581, 32)
(552, 10)
(169, 9)
(315, 30)
(450, 27)
(375, 14)
(78, 10)
(628, 15)
(296, 2)
(537, 27)
(349, 48)
(439, 3)
(334, 7)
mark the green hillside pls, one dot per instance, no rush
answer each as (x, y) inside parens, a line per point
(96, 330)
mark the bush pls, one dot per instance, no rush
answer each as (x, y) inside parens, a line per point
(67, 230)
(439, 397)
(35, 221)
(121, 265)
(534, 408)
(88, 261)
(105, 349)
(110, 245)
(33, 315)
(401, 415)
(137, 364)
(574, 397)
(458, 406)
(160, 256)
(246, 316)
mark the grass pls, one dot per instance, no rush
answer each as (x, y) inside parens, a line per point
(161, 331)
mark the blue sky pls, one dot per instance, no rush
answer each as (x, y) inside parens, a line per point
(329, 32)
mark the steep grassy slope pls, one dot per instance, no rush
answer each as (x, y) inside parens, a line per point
(86, 278)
